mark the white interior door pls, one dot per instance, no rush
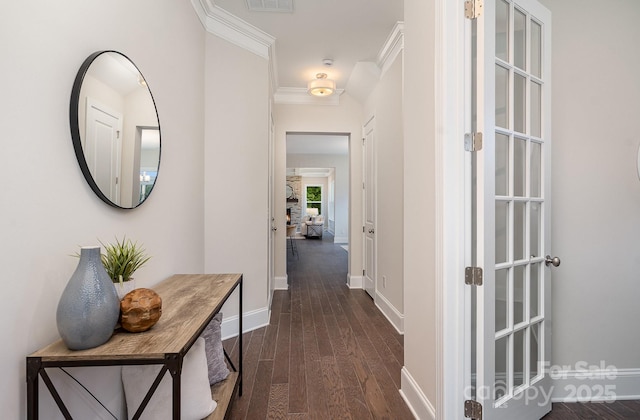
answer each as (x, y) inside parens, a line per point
(513, 209)
(369, 274)
(102, 148)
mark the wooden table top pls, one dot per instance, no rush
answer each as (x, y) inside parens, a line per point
(189, 301)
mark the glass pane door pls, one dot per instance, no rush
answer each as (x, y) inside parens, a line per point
(513, 201)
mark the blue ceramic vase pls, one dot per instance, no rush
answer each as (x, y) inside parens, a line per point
(89, 308)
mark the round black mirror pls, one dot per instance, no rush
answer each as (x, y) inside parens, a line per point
(115, 129)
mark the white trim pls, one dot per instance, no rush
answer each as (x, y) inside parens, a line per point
(300, 96)
(451, 117)
(281, 283)
(354, 282)
(229, 27)
(250, 321)
(390, 312)
(418, 403)
(340, 239)
(595, 385)
(391, 49)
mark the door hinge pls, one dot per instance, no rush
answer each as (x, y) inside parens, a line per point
(362, 229)
(362, 273)
(473, 276)
(473, 9)
(473, 142)
(472, 410)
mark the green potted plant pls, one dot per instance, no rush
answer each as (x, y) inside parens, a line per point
(121, 259)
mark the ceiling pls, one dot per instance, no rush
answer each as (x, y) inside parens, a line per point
(346, 31)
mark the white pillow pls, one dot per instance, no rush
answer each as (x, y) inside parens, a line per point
(196, 402)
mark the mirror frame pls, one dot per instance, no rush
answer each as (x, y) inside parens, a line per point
(76, 138)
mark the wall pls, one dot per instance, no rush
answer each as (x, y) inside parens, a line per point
(236, 219)
(48, 209)
(385, 103)
(344, 118)
(420, 370)
(341, 165)
(596, 195)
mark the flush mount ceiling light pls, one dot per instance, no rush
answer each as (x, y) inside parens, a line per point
(321, 86)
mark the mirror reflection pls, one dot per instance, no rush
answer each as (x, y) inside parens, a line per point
(115, 129)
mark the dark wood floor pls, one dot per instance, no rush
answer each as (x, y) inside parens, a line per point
(328, 353)
(599, 410)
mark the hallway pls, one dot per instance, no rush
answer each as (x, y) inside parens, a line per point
(328, 353)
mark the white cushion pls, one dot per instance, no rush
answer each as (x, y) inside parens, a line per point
(196, 402)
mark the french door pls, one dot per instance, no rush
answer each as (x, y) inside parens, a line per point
(512, 213)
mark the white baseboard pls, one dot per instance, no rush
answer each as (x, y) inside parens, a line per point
(418, 403)
(354, 282)
(340, 239)
(250, 321)
(281, 283)
(605, 384)
(388, 310)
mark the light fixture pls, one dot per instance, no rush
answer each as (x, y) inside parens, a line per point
(321, 86)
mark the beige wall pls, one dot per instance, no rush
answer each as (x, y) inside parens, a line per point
(385, 104)
(596, 190)
(48, 208)
(419, 175)
(236, 223)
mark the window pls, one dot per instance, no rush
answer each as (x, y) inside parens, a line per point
(314, 197)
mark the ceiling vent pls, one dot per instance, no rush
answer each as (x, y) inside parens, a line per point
(283, 6)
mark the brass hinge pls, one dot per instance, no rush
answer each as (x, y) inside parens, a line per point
(473, 142)
(473, 9)
(472, 410)
(473, 276)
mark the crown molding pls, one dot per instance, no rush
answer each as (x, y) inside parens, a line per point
(392, 48)
(219, 22)
(299, 96)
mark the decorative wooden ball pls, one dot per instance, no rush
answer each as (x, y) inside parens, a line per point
(140, 310)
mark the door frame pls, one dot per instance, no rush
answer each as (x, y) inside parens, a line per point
(453, 120)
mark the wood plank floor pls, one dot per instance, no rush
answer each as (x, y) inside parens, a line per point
(328, 352)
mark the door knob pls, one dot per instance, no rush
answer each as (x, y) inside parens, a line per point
(555, 261)
(371, 231)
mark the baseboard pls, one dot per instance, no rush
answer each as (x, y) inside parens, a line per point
(250, 321)
(281, 283)
(340, 239)
(418, 403)
(388, 310)
(354, 282)
(586, 384)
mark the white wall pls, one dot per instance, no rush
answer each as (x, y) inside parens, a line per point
(344, 118)
(341, 165)
(596, 191)
(420, 370)
(48, 209)
(236, 173)
(385, 103)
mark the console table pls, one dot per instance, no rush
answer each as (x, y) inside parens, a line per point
(189, 302)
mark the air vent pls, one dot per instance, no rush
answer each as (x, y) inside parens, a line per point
(284, 6)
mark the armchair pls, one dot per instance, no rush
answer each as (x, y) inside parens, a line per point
(312, 228)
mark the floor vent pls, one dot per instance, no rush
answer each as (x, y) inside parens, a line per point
(285, 6)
